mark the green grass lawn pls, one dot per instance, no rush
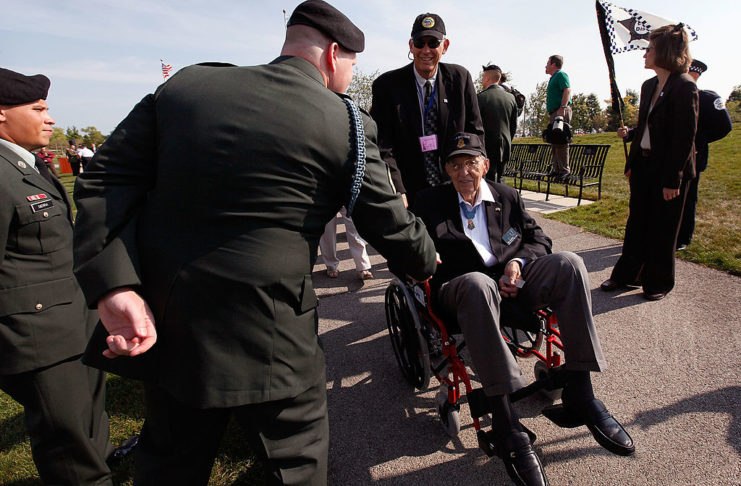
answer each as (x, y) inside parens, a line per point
(717, 244)
(717, 239)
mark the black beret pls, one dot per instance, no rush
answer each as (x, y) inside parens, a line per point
(466, 143)
(17, 89)
(698, 66)
(428, 24)
(491, 67)
(333, 23)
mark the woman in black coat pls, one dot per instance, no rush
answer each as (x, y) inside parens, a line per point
(660, 166)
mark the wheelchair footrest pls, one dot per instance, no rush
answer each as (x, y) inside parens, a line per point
(562, 417)
(486, 443)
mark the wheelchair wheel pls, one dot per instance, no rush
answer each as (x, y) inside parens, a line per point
(450, 418)
(541, 373)
(521, 342)
(410, 347)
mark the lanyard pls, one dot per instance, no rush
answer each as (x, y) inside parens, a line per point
(432, 98)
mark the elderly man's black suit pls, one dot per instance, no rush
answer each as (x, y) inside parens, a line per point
(396, 110)
(468, 289)
(210, 199)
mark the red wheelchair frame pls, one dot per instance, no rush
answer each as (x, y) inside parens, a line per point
(418, 334)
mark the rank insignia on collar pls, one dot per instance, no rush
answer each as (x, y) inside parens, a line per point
(36, 197)
(21, 164)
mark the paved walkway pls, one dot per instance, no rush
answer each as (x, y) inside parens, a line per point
(673, 380)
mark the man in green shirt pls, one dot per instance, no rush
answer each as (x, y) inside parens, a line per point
(557, 104)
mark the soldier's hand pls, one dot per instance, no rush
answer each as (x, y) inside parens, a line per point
(129, 322)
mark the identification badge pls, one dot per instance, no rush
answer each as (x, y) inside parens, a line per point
(510, 236)
(428, 143)
(40, 206)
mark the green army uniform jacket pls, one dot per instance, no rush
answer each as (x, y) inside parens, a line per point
(43, 316)
(210, 199)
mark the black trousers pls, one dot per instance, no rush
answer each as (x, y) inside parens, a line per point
(651, 231)
(64, 410)
(179, 443)
(687, 228)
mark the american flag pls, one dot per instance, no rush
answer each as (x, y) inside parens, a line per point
(166, 68)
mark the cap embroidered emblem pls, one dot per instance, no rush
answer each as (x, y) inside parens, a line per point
(461, 142)
(428, 22)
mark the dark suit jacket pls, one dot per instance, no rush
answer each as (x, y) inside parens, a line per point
(713, 123)
(210, 198)
(499, 116)
(396, 111)
(438, 207)
(672, 126)
(43, 316)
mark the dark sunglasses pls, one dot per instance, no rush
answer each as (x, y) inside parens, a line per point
(432, 43)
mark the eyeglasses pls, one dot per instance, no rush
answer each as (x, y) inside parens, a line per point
(470, 164)
(431, 43)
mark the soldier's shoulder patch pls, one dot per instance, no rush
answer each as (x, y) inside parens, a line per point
(719, 104)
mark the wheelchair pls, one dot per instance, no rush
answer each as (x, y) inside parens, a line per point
(425, 346)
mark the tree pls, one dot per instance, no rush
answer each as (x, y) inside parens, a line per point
(735, 94)
(630, 111)
(536, 116)
(360, 88)
(92, 136)
(73, 134)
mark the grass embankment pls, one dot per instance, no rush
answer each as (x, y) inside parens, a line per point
(717, 239)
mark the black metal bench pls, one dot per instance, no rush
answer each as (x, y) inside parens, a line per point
(534, 162)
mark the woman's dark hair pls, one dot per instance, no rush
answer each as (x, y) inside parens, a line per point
(671, 48)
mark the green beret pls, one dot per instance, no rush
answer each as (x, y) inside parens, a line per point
(333, 23)
(18, 89)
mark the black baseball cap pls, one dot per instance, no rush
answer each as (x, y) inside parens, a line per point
(698, 66)
(428, 24)
(333, 23)
(18, 89)
(466, 144)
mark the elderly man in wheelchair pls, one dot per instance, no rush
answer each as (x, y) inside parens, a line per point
(491, 249)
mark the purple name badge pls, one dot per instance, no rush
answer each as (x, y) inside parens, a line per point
(428, 143)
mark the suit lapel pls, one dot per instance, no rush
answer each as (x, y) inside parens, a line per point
(494, 222)
(33, 178)
(444, 84)
(453, 214)
(410, 99)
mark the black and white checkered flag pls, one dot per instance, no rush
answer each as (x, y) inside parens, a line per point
(629, 29)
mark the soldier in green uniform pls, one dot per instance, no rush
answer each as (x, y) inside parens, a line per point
(199, 255)
(44, 322)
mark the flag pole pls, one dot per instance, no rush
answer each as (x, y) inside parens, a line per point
(617, 100)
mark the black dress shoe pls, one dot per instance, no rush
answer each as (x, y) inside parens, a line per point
(520, 460)
(654, 296)
(609, 285)
(606, 430)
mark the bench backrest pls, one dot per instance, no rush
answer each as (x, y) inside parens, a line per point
(537, 157)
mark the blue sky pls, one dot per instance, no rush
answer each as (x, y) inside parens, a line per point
(104, 56)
